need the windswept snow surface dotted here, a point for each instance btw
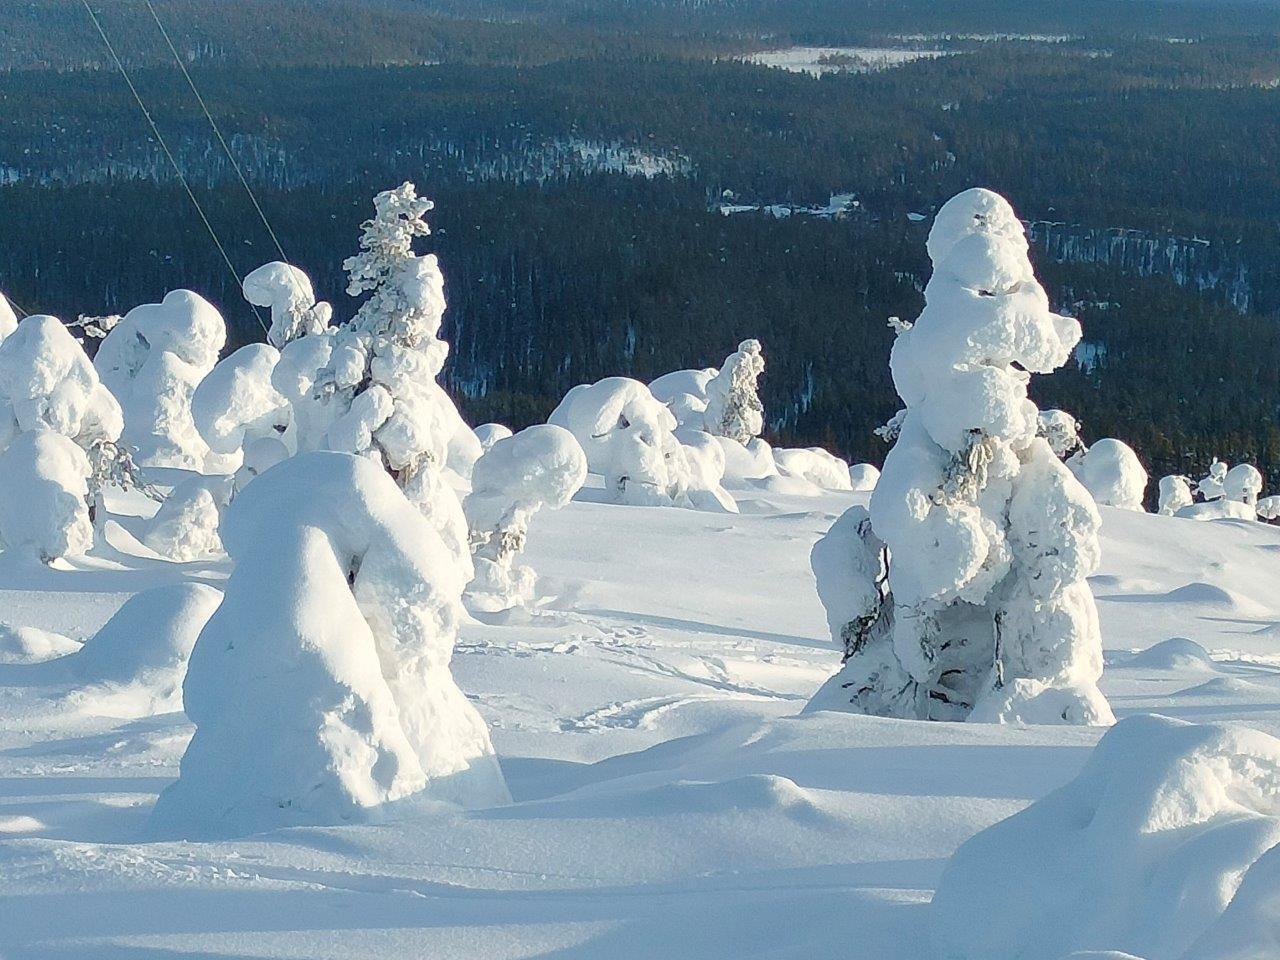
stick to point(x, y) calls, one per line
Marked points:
point(668, 799)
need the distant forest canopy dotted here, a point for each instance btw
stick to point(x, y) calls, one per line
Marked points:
point(579, 176)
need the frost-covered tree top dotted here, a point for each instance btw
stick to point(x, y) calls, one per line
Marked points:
point(1175, 493)
point(287, 291)
point(152, 361)
point(1062, 430)
point(734, 409)
point(490, 433)
point(1211, 486)
point(44, 513)
point(1242, 483)
point(985, 610)
point(406, 291)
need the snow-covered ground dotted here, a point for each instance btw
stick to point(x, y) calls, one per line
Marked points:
point(669, 802)
point(817, 61)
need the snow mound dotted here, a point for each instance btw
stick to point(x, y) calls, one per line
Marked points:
point(863, 477)
point(320, 688)
point(816, 465)
point(1176, 653)
point(32, 645)
point(44, 514)
point(147, 643)
point(1221, 687)
point(1219, 509)
point(490, 433)
point(1141, 852)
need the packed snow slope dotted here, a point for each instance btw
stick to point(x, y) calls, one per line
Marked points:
point(668, 801)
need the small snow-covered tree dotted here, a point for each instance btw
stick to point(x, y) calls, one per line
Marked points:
point(320, 688)
point(966, 581)
point(240, 414)
point(1211, 486)
point(1243, 484)
point(152, 361)
point(734, 409)
point(287, 291)
point(685, 394)
point(1112, 473)
point(490, 433)
point(1175, 493)
point(541, 466)
point(48, 386)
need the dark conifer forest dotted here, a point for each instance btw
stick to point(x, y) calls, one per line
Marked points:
point(620, 191)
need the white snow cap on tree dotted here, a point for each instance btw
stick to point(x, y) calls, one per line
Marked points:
point(1175, 493)
point(490, 433)
point(241, 415)
point(185, 527)
point(1062, 430)
point(1212, 486)
point(1112, 472)
point(863, 477)
point(152, 360)
point(1242, 484)
point(541, 466)
point(1141, 852)
point(320, 689)
point(984, 611)
point(685, 394)
point(288, 292)
point(734, 409)
point(44, 510)
point(1269, 508)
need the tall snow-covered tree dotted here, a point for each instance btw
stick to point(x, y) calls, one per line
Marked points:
point(963, 592)
point(734, 409)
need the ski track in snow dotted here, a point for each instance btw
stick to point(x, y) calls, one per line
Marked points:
point(669, 802)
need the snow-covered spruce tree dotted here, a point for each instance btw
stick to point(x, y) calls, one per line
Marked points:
point(320, 689)
point(541, 466)
point(734, 409)
point(1211, 486)
point(1175, 493)
point(287, 291)
point(152, 361)
point(379, 376)
point(59, 428)
point(962, 593)
point(1243, 484)
point(1111, 471)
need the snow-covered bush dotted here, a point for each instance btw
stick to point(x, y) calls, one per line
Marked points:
point(863, 477)
point(1062, 430)
point(1112, 473)
point(141, 653)
point(288, 292)
point(734, 409)
point(240, 414)
point(1269, 508)
point(1175, 493)
point(1141, 852)
point(152, 361)
point(490, 433)
point(704, 460)
point(186, 525)
point(985, 538)
point(816, 465)
point(541, 466)
point(320, 689)
point(1243, 484)
point(44, 510)
point(685, 394)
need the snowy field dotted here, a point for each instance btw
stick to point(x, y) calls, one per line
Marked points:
point(817, 61)
point(668, 799)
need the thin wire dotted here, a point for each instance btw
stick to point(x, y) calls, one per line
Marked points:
point(22, 314)
point(217, 131)
point(168, 153)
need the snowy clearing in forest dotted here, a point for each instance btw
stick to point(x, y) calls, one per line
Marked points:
point(817, 61)
point(668, 799)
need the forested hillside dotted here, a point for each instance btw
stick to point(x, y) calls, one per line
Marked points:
point(581, 157)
